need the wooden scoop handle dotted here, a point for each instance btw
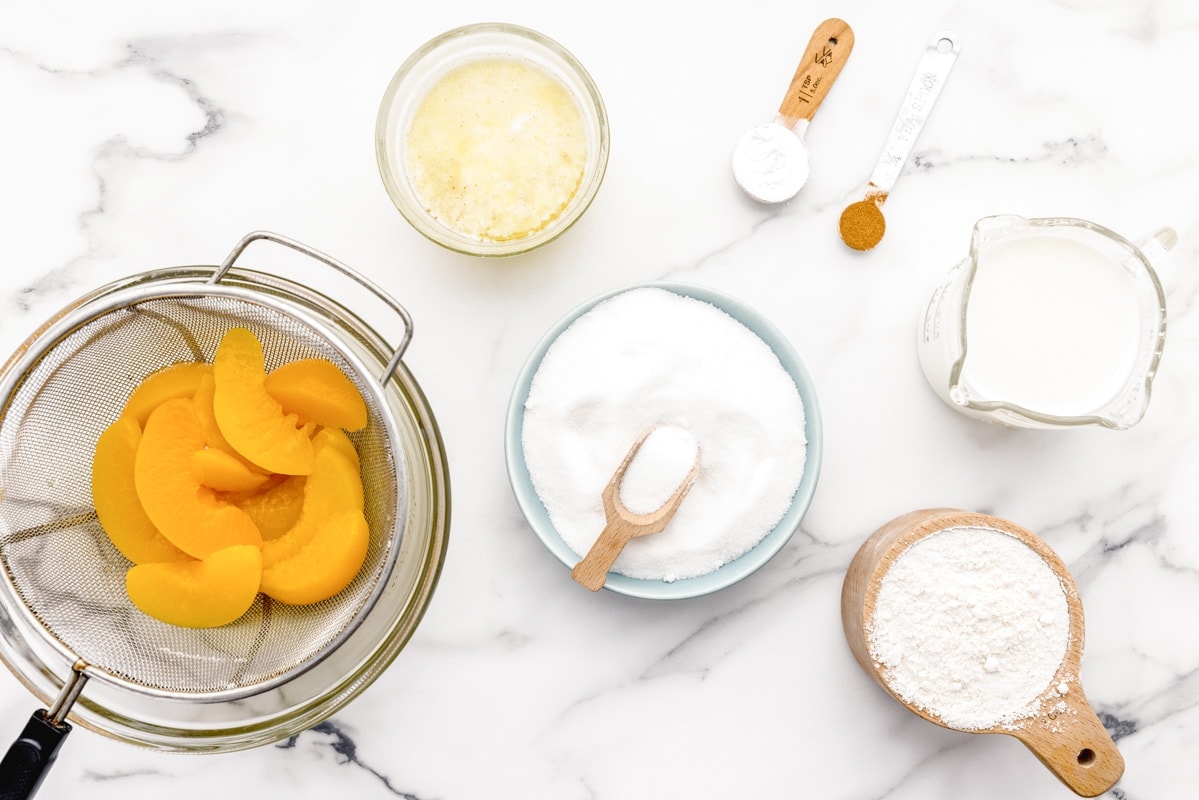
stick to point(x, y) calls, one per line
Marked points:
point(827, 53)
point(1072, 742)
point(623, 526)
point(592, 571)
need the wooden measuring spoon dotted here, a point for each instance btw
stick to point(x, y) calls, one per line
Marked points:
point(1066, 735)
point(770, 161)
point(623, 525)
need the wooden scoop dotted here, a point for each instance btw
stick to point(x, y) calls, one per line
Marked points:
point(623, 525)
point(1066, 736)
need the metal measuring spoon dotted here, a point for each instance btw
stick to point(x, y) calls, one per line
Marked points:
point(623, 525)
point(770, 161)
point(862, 223)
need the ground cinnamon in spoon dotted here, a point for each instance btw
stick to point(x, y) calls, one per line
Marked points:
point(862, 223)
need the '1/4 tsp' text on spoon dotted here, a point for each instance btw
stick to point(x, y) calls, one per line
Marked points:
point(663, 471)
point(862, 223)
point(770, 161)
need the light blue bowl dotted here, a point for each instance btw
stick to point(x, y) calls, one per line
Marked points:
point(531, 506)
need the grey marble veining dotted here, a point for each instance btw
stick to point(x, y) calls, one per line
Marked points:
point(147, 135)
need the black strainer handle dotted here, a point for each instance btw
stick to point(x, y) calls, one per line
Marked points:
point(394, 363)
point(30, 757)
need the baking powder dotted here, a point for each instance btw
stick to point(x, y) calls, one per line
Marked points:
point(970, 625)
point(770, 162)
point(650, 357)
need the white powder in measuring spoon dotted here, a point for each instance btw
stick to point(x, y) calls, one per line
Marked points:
point(658, 469)
point(770, 162)
point(970, 625)
point(650, 357)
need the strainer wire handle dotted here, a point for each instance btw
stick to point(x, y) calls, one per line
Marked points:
point(398, 354)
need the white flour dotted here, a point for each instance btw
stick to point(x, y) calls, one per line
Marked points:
point(970, 625)
point(651, 357)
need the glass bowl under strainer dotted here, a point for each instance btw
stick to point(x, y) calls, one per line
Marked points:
point(69, 629)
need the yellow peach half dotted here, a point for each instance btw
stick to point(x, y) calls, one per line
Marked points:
point(315, 390)
point(324, 565)
point(177, 380)
point(198, 594)
point(187, 513)
point(224, 472)
point(115, 497)
point(250, 419)
point(335, 486)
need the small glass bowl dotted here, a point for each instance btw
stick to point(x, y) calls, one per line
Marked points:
point(426, 67)
point(739, 568)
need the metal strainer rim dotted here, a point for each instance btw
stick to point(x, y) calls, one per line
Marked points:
point(42, 344)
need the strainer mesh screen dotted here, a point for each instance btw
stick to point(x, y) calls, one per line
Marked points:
point(60, 562)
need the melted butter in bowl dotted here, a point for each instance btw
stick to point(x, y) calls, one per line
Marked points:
point(492, 140)
point(497, 149)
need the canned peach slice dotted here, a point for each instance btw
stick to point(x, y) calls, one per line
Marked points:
point(198, 594)
point(188, 514)
point(315, 390)
point(115, 497)
point(252, 421)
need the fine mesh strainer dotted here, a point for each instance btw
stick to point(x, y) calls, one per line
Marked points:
point(63, 582)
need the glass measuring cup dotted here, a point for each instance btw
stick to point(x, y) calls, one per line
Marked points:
point(1048, 323)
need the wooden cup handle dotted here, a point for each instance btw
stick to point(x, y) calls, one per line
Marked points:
point(592, 571)
point(827, 53)
point(1072, 742)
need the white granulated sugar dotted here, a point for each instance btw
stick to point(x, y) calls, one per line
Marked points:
point(970, 625)
point(650, 357)
point(658, 469)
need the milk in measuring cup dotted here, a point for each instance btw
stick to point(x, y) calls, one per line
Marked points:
point(1052, 325)
point(1048, 323)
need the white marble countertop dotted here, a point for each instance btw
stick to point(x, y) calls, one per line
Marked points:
point(142, 135)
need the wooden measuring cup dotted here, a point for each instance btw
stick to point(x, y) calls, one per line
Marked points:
point(1066, 735)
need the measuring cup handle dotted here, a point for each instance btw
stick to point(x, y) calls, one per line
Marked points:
point(1075, 747)
point(1158, 244)
point(30, 756)
point(397, 354)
